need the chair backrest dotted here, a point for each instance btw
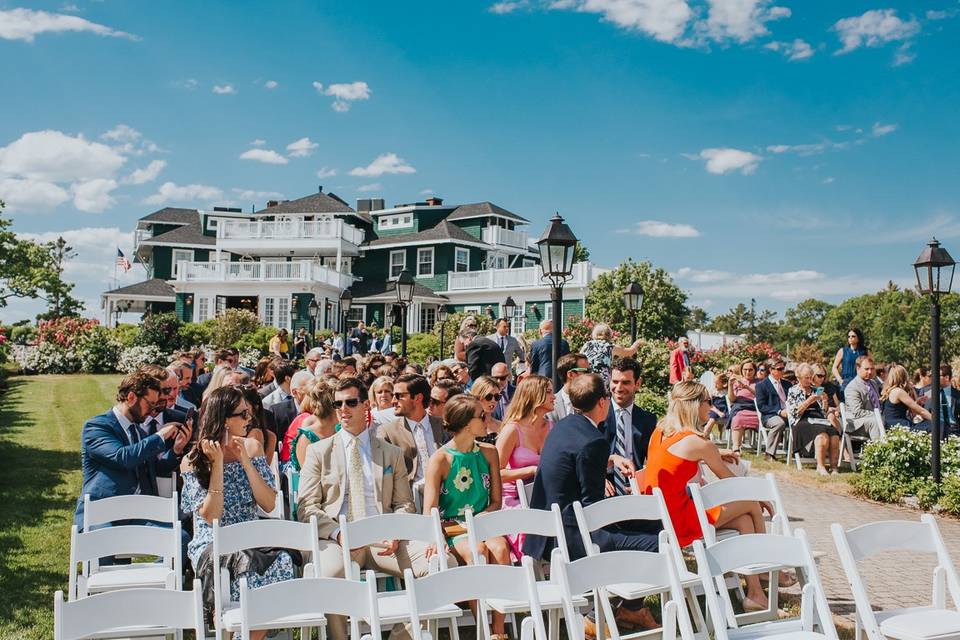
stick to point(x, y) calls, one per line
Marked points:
point(513, 521)
point(133, 507)
point(277, 512)
point(760, 549)
point(390, 526)
point(524, 493)
point(617, 509)
point(474, 582)
point(729, 490)
point(130, 609)
point(283, 601)
point(166, 485)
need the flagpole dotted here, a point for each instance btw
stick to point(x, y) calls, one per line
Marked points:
point(116, 260)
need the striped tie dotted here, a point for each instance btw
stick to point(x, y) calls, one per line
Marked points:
point(620, 481)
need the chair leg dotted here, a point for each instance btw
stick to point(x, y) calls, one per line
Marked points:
point(696, 615)
point(553, 619)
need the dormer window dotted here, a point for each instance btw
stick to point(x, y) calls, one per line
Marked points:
point(396, 222)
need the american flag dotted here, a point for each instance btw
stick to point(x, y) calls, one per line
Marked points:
point(122, 261)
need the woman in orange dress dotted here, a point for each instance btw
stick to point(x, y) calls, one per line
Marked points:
point(676, 450)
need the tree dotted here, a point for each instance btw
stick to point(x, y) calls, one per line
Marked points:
point(59, 301)
point(802, 323)
point(664, 309)
point(740, 320)
point(26, 270)
point(697, 319)
point(580, 252)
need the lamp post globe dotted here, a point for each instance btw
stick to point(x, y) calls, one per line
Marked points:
point(346, 302)
point(509, 308)
point(441, 320)
point(556, 248)
point(313, 309)
point(404, 287)
point(633, 300)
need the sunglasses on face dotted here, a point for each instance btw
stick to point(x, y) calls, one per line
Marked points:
point(761, 370)
point(778, 368)
point(437, 403)
point(398, 395)
point(500, 378)
point(491, 396)
point(818, 375)
point(350, 402)
point(245, 414)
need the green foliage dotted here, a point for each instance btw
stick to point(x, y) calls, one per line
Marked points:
point(420, 346)
point(59, 301)
point(451, 327)
point(576, 331)
point(258, 339)
point(231, 325)
point(194, 334)
point(697, 319)
point(161, 330)
point(23, 334)
point(654, 359)
point(804, 351)
point(802, 324)
point(733, 353)
point(950, 500)
point(651, 400)
point(4, 345)
point(126, 334)
point(664, 309)
point(757, 326)
point(99, 350)
point(580, 252)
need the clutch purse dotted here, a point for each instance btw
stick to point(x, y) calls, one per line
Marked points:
point(454, 529)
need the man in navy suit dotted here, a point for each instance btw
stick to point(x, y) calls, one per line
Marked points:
point(627, 427)
point(482, 353)
point(541, 351)
point(949, 403)
point(771, 393)
point(117, 458)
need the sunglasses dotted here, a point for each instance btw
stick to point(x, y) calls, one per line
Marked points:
point(492, 396)
point(350, 402)
point(437, 403)
point(245, 414)
point(778, 368)
point(397, 395)
point(761, 370)
point(818, 375)
point(500, 378)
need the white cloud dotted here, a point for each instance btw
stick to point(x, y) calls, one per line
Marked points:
point(268, 156)
point(874, 29)
point(271, 84)
point(224, 89)
point(933, 14)
point(803, 149)
point(171, 192)
point(258, 143)
point(384, 163)
point(31, 195)
point(325, 172)
point(345, 93)
point(58, 157)
point(427, 192)
point(508, 6)
point(702, 275)
point(828, 180)
point(301, 148)
point(879, 129)
point(147, 174)
point(664, 20)
point(725, 160)
point(796, 50)
point(93, 196)
point(659, 229)
point(187, 83)
point(122, 133)
point(741, 20)
point(250, 194)
point(26, 24)
point(367, 188)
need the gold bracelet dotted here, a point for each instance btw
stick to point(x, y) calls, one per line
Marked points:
point(220, 491)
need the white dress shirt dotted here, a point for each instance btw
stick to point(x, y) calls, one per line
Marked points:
point(125, 427)
point(426, 429)
point(276, 396)
point(627, 427)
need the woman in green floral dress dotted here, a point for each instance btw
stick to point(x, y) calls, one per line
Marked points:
point(465, 474)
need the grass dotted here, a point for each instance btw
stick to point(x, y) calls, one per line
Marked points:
point(40, 422)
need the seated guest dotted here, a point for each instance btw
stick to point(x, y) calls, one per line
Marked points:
point(287, 410)
point(861, 398)
point(921, 383)
point(225, 478)
point(381, 400)
point(440, 394)
point(568, 368)
point(283, 372)
point(718, 414)
point(899, 402)
point(741, 392)
point(812, 425)
point(217, 379)
point(416, 433)
point(184, 373)
point(501, 373)
point(263, 376)
point(762, 372)
point(461, 374)
point(195, 359)
point(116, 457)
point(263, 425)
point(521, 438)
point(772, 402)
point(488, 391)
point(949, 402)
point(464, 474)
point(832, 389)
point(440, 372)
point(343, 475)
point(320, 421)
point(627, 427)
point(223, 357)
point(676, 451)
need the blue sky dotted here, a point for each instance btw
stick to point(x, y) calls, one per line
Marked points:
point(752, 148)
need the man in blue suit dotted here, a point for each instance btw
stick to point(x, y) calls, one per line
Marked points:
point(541, 351)
point(627, 427)
point(117, 458)
point(771, 393)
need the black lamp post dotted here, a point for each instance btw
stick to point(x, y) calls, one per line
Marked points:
point(632, 300)
point(294, 316)
point(556, 259)
point(934, 268)
point(314, 310)
point(442, 319)
point(404, 286)
point(509, 310)
point(346, 301)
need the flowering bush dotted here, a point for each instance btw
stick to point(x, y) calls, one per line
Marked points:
point(160, 330)
point(63, 331)
point(250, 357)
point(4, 345)
point(231, 325)
point(734, 353)
point(577, 331)
point(48, 357)
point(132, 358)
point(98, 351)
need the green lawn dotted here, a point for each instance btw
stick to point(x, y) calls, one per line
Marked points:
point(40, 422)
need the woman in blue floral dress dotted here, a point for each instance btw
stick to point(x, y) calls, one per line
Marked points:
point(226, 477)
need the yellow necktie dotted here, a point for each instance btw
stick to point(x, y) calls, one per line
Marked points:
point(357, 507)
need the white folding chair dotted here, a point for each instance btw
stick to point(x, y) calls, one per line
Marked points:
point(911, 623)
point(476, 582)
point(524, 493)
point(277, 512)
point(166, 485)
point(253, 534)
point(736, 555)
point(129, 613)
point(305, 602)
point(650, 508)
point(604, 573)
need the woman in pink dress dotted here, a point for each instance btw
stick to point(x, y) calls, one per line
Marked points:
point(525, 428)
point(741, 392)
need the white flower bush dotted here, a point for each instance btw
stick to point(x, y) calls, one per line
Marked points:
point(133, 358)
point(249, 358)
point(47, 358)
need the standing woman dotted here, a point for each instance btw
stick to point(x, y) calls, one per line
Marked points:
point(845, 364)
point(741, 393)
point(465, 474)
point(279, 345)
point(673, 459)
point(459, 347)
point(300, 346)
point(226, 478)
point(488, 392)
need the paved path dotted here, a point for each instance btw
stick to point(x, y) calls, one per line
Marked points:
point(892, 579)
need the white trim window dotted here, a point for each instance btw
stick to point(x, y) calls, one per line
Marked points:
point(389, 222)
point(529, 262)
point(283, 312)
point(357, 313)
point(498, 261)
point(428, 318)
point(472, 309)
point(425, 262)
point(461, 259)
point(396, 266)
point(203, 309)
point(180, 255)
point(269, 312)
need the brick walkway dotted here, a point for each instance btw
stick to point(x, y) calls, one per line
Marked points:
point(892, 579)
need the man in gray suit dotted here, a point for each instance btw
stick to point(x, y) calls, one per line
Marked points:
point(569, 367)
point(861, 397)
point(507, 343)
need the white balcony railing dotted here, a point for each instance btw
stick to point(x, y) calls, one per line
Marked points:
point(527, 277)
point(292, 229)
point(139, 236)
point(505, 237)
point(296, 271)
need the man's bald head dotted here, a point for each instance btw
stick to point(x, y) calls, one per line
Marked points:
point(546, 326)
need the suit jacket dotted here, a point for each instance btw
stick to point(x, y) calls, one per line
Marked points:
point(398, 433)
point(511, 347)
point(482, 354)
point(276, 396)
point(953, 412)
point(643, 423)
point(541, 355)
point(110, 463)
point(360, 341)
point(283, 413)
point(856, 397)
point(267, 389)
point(573, 466)
point(677, 365)
point(507, 395)
point(168, 462)
point(323, 482)
point(561, 406)
point(768, 400)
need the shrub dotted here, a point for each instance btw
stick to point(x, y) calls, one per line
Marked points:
point(4, 345)
point(420, 346)
point(231, 325)
point(257, 340)
point(63, 331)
point(950, 500)
point(451, 327)
point(652, 400)
point(194, 334)
point(98, 351)
point(48, 357)
point(23, 334)
point(161, 330)
point(133, 358)
point(126, 334)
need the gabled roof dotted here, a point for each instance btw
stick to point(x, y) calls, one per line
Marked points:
point(443, 231)
point(172, 215)
point(157, 287)
point(381, 291)
point(482, 210)
point(187, 235)
point(315, 203)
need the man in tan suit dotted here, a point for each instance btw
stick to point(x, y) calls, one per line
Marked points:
point(355, 474)
point(417, 434)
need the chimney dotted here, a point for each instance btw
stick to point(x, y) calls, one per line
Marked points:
point(377, 204)
point(434, 201)
point(272, 203)
point(320, 188)
point(363, 205)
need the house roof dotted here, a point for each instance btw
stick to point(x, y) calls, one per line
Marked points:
point(172, 215)
point(382, 291)
point(315, 203)
point(157, 287)
point(443, 231)
point(482, 210)
point(188, 234)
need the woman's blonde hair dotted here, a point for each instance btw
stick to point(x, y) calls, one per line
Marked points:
point(318, 399)
point(531, 393)
point(602, 331)
point(683, 412)
point(375, 387)
point(897, 376)
point(484, 385)
point(217, 379)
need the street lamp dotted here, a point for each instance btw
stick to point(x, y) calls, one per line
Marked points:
point(441, 318)
point(556, 259)
point(633, 299)
point(346, 301)
point(404, 285)
point(314, 310)
point(934, 268)
point(294, 316)
point(509, 308)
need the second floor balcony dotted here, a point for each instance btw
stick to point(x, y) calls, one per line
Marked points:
point(507, 238)
point(295, 271)
point(524, 278)
point(296, 236)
